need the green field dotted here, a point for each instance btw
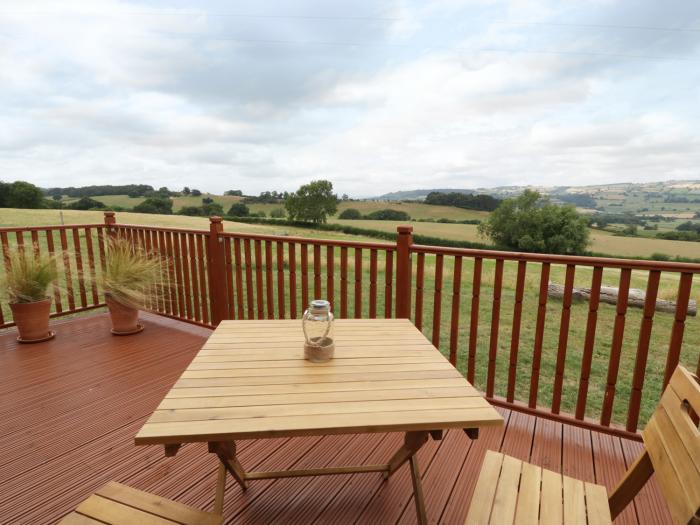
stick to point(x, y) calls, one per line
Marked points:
point(416, 210)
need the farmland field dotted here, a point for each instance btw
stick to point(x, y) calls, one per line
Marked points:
point(416, 210)
point(601, 241)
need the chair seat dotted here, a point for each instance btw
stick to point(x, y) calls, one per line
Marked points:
point(512, 491)
point(117, 504)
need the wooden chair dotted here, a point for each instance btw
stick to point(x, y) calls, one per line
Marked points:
point(117, 504)
point(509, 490)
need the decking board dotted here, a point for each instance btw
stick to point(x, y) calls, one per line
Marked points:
point(69, 410)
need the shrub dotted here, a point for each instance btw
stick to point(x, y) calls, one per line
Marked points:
point(277, 213)
point(192, 211)
point(86, 203)
point(159, 205)
point(351, 214)
point(239, 209)
point(389, 215)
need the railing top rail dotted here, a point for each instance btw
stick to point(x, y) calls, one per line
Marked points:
point(12, 229)
point(160, 228)
point(311, 241)
point(579, 260)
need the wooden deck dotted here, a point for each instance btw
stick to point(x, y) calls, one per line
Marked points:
point(69, 410)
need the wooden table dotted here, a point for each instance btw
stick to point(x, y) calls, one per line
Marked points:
point(250, 380)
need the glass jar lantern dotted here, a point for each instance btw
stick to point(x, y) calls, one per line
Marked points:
point(317, 324)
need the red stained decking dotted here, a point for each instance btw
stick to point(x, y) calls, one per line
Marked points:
point(69, 410)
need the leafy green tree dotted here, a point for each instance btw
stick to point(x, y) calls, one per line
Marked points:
point(530, 223)
point(158, 205)
point(351, 214)
point(207, 200)
point(195, 193)
point(277, 213)
point(235, 193)
point(312, 202)
point(185, 191)
point(21, 194)
point(238, 209)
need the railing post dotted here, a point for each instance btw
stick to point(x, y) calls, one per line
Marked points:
point(110, 223)
point(217, 271)
point(404, 240)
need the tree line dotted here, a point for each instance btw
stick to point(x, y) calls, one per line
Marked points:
point(467, 201)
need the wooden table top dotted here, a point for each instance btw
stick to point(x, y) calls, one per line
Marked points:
point(251, 380)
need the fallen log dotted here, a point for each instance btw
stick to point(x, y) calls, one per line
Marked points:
point(609, 295)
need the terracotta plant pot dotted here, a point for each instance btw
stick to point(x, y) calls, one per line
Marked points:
point(125, 319)
point(32, 320)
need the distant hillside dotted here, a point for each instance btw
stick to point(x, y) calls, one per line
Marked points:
point(417, 195)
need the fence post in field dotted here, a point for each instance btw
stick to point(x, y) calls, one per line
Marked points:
point(217, 270)
point(404, 240)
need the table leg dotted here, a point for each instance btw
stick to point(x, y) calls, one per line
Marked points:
point(412, 442)
point(220, 490)
point(226, 452)
point(418, 491)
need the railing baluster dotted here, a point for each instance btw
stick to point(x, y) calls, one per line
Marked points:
point(589, 342)
point(330, 276)
point(238, 260)
point(185, 276)
point(304, 276)
point(52, 254)
point(101, 248)
point(177, 257)
point(388, 284)
point(35, 243)
point(437, 300)
point(563, 337)
point(79, 266)
point(373, 284)
point(640, 364)
point(358, 283)
point(248, 278)
point(420, 278)
point(193, 273)
point(67, 269)
point(230, 292)
point(166, 265)
point(515, 332)
point(270, 293)
point(343, 282)
point(279, 249)
point(203, 290)
point(456, 298)
point(259, 280)
point(539, 335)
point(20, 241)
point(91, 266)
point(474, 319)
point(317, 272)
point(292, 280)
point(674, 347)
point(616, 345)
point(495, 322)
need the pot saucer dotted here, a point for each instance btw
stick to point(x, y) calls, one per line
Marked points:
point(139, 328)
point(50, 335)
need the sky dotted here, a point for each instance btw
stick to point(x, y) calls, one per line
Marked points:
point(374, 95)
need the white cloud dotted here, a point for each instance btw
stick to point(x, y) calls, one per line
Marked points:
point(446, 93)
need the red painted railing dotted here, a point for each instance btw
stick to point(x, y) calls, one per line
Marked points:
point(583, 363)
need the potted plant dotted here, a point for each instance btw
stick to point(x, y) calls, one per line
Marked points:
point(27, 280)
point(130, 277)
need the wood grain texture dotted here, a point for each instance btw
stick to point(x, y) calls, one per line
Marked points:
point(227, 362)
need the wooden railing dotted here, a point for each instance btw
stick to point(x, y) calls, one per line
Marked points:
point(590, 364)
